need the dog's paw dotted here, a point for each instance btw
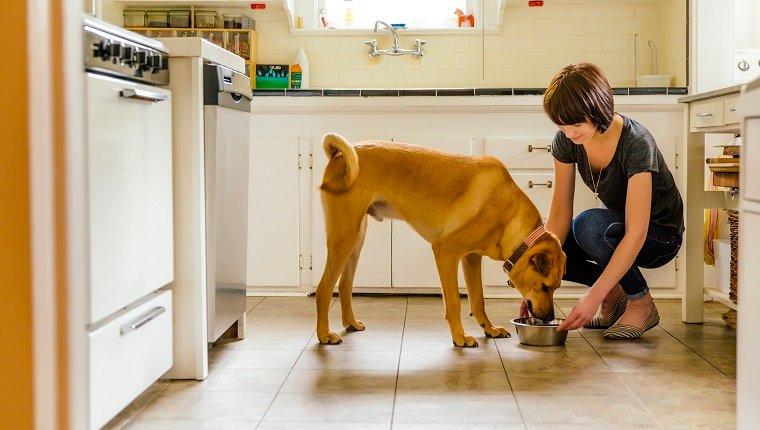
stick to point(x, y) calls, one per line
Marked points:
point(354, 326)
point(466, 342)
point(497, 331)
point(330, 339)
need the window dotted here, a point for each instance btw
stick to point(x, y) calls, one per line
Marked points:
point(413, 14)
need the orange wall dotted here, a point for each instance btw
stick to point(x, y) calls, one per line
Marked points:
point(16, 386)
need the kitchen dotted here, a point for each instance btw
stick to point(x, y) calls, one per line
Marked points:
point(454, 117)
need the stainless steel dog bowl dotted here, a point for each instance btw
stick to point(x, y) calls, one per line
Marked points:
point(536, 332)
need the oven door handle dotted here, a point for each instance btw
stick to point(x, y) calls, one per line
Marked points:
point(138, 94)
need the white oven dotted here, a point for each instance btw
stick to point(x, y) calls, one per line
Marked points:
point(129, 182)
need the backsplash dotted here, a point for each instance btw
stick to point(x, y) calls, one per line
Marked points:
point(533, 43)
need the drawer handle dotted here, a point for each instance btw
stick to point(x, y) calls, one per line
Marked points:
point(547, 184)
point(703, 114)
point(547, 148)
point(145, 319)
point(733, 109)
point(129, 93)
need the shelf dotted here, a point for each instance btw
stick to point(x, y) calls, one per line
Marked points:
point(720, 296)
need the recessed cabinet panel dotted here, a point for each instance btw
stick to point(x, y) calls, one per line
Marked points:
point(412, 257)
point(521, 153)
point(374, 266)
point(750, 178)
point(273, 213)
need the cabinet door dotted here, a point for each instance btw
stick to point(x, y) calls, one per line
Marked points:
point(273, 213)
point(413, 264)
point(374, 267)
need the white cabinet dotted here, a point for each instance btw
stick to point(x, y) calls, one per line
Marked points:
point(412, 260)
point(748, 293)
point(374, 267)
point(274, 213)
point(531, 165)
point(286, 212)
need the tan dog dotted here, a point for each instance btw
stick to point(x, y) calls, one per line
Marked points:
point(464, 206)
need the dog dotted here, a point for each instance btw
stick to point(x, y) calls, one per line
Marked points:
point(466, 207)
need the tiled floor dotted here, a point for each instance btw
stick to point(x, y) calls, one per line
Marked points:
point(404, 373)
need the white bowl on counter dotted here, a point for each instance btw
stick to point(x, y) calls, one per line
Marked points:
point(653, 80)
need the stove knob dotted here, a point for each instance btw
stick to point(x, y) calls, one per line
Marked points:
point(127, 55)
point(154, 61)
point(104, 51)
point(115, 50)
point(743, 65)
point(141, 58)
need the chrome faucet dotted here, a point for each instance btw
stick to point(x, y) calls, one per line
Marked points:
point(390, 28)
point(395, 48)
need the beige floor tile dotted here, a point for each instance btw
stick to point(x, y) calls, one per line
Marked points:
point(692, 412)
point(332, 408)
point(567, 383)
point(404, 373)
point(367, 341)
point(486, 382)
point(254, 359)
point(330, 358)
point(191, 425)
point(261, 340)
point(453, 360)
point(685, 383)
point(591, 426)
point(465, 425)
point(340, 382)
point(543, 408)
point(456, 407)
point(207, 405)
point(266, 381)
point(310, 425)
point(574, 357)
point(147, 396)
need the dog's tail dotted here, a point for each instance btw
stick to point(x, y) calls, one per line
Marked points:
point(336, 146)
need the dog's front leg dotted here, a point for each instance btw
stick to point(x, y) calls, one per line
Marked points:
point(447, 271)
point(471, 265)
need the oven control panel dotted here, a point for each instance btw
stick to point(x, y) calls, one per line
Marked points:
point(124, 54)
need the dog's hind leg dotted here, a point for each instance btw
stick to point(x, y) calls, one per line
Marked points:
point(471, 266)
point(342, 230)
point(346, 283)
point(447, 262)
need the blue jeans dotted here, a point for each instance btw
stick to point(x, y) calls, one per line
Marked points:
point(593, 237)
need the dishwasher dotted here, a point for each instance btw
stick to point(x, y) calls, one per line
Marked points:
point(226, 116)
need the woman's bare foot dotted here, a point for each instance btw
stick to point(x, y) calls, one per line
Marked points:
point(637, 311)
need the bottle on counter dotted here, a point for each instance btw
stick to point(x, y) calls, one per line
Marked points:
point(348, 13)
point(299, 71)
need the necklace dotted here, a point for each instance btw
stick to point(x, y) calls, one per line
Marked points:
point(598, 180)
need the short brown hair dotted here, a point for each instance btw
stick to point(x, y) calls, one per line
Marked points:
point(577, 93)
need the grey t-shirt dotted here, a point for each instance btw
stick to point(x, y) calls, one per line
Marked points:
point(636, 152)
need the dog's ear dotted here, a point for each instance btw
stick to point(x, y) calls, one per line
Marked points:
point(541, 262)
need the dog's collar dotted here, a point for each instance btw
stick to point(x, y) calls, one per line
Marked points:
point(511, 261)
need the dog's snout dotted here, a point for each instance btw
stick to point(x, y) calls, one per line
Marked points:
point(530, 306)
point(549, 316)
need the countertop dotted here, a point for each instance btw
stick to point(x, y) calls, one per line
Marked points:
point(199, 47)
point(437, 92)
point(711, 94)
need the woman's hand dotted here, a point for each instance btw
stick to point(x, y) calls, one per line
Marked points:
point(582, 312)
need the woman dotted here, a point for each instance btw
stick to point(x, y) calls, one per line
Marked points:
point(641, 224)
